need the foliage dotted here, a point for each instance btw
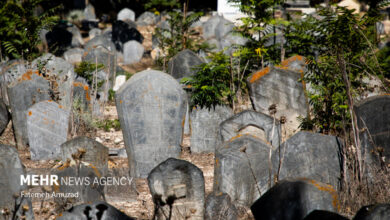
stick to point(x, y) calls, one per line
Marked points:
point(384, 60)
point(179, 36)
point(108, 124)
point(218, 82)
point(20, 28)
point(161, 5)
point(87, 70)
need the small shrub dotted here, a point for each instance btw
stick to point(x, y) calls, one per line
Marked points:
point(87, 71)
point(108, 124)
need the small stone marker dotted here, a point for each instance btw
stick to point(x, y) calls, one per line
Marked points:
point(132, 52)
point(183, 64)
point(126, 15)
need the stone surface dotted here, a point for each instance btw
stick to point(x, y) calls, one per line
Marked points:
point(47, 129)
point(29, 89)
point(119, 81)
point(373, 116)
point(220, 206)
point(77, 40)
point(4, 116)
point(178, 190)
point(280, 85)
point(92, 151)
point(74, 55)
point(61, 77)
point(373, 212)
point(126, 15)
point(183, 64)
point(241, 169)
point(94, 32)
point(81, 94)
point(151, 108)
point(232, 126)
point(311, 155)
point(100, 40)
point(97, 210)
point(210, 26)
point(89, 12)
point(11, 168)
point(204, 125)
point(223, 28)
point(10, 72)
point(324, 215)
point(297, 198)
point(122, 33)
point(132, 52)
point(147, 18)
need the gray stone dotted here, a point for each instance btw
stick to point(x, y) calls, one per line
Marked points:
point(81, 94)
point(373, 116)
point(101, 40)
point(232, 126)
point(210, 26)
point(97, 210)
point(29, 89)
point(310, 155)
point(151, 108)
point(220, 206)
point(11, 71)
point(178, 190)
point(94, 32)
point(61, 76)
point(223, 28)
point(4, 116)
point(183, 64)
point(11, 169)
point(77, 40)
point(119, 81)
point(280, 85)
point(74, 55)
point(147, 18)
point(297, 198)
point(132, 52)
point(205, 136)
point(47, 129)
point(126, 14)
point(373, 212)
point(241, 169)
point(92, 152)
point(89, 12)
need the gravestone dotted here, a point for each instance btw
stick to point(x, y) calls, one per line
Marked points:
point(210, 26)
point(280, 85)
point(11, 169)
point(4, 116)
point(220, 206)
point(47, 129)
point(92, 152)
point(94, 32)
point(151, 109)
point(74, 56)
point(241, 169)
point(10, 72)
point(126, 15)
point(60, 75)
point(204, 123)
point(132, 52)
point(122, 33)
point(373, 116)
point(82, 95)
point(97, 210)
point(223, 28)
point(89, 12)
point(297, 198)
point(184, 64)
point(29, 89)
point(231, 127)
point(101, 40)
point(373, 212)
point(310, 155)
point(178, 190)
point(77, 40)
point(147, 18)
point(119, 81)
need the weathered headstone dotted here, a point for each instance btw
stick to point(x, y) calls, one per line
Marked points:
point(122, 33)
point(183, 64)
point(242, 169)
point(61, 76)
point(10, 72)
point(82, 95)
point(11, 169)
point(126, 15)
point(178, 190)
point(97, 210)
point(373, 212)
point(4, 116)
point(77, 40)
point(310, 155)
point(280, 85)
point(74, 55)
point(232, 126)
point(205, 136)
point(29, 89)
point(101, 40)
point(47, 129)
point(151, 108)
point(373, 116)
point(94, 32)
point(294, 199)
point(91, 152)
point(132, 52)
point(89, 12)
point(220, 206)
point(210, 26)
point(147, 18)
point(223, 28)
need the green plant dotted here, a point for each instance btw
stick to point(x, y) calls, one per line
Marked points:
point(108, 124)
point(125, 73)
point(111, 95)
point(87, 70)
point(162, 5)
point(19, 28)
